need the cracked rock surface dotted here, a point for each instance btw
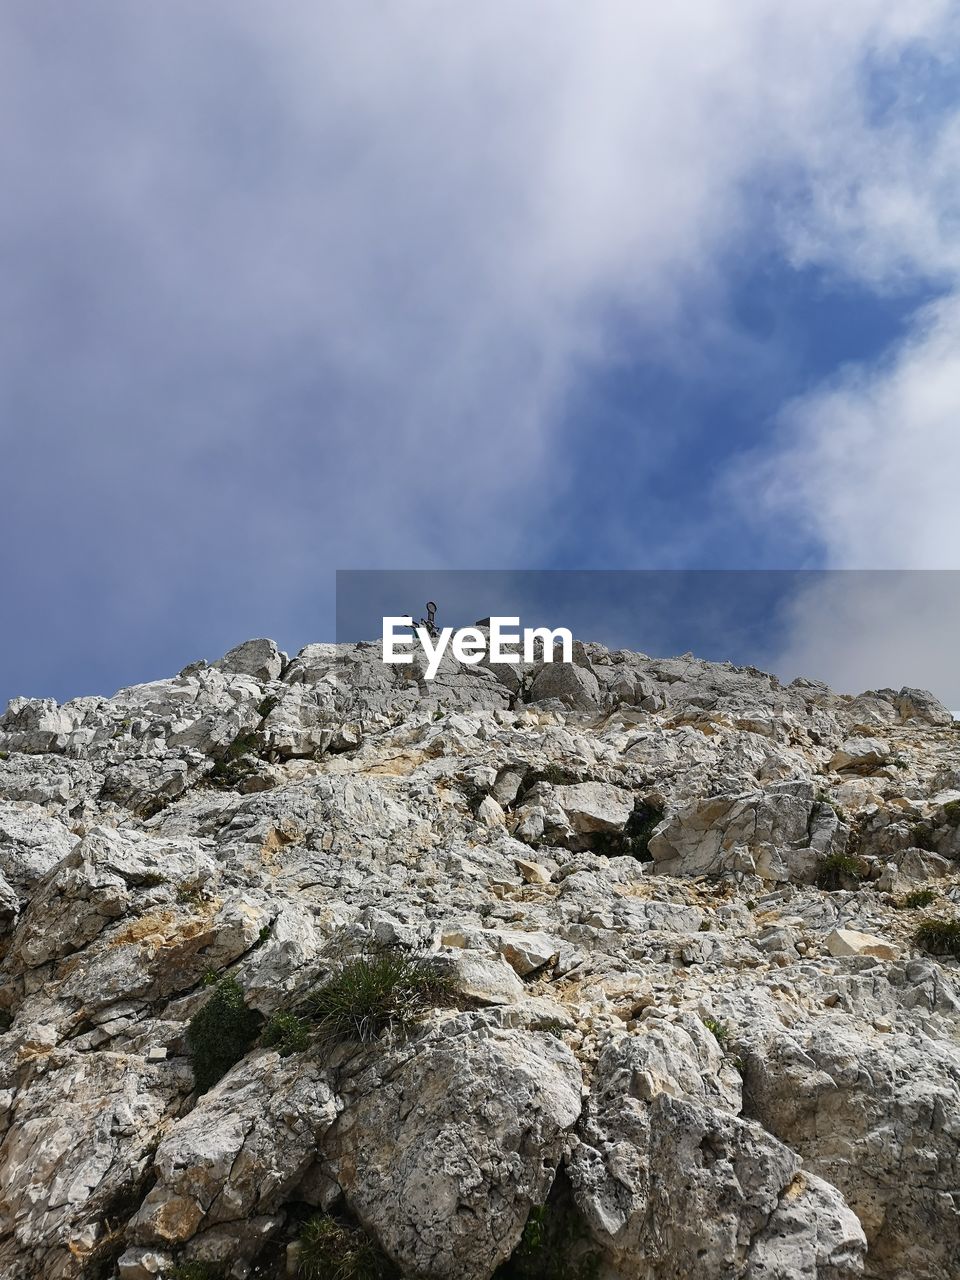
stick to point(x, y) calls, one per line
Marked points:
point(674, 905)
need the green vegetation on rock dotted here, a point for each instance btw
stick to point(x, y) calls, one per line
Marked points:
point(330, 1250)
point(386, 990)
point(220, 1033)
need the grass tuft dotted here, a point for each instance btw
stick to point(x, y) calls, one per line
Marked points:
point(938, 936)
point(232, 766)
point(835, 868)
point(286, 1033)
point(639, 828)
point(329, 1250)
point(197, 1271)
point(385, 990)
point(720, 1031)
point(918, 898)
point(923, 837)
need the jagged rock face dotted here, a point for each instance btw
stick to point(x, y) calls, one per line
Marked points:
point(661, 1131)
point(734, 1064)
point(780, 832)
point(879, 1117)
point(244, 1148)
point(444, 1153)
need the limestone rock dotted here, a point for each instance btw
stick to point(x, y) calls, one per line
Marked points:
point(779, 833)
point(877, 1117)
point(851, 942)
point(446, 1184)
point(526, 952)
point(575, 686)
point(533, 872)
point(746, 1208)
point(242, 1149)
point(486, 980)
point(490, 813)
point(920, 705)
point(31, 844)
point(258, 658)
point(616, 863)
point(860, 753)
point(79, 1137)
point(594, 806)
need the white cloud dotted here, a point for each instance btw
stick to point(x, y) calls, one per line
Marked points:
point(434, 204)
point(875, 630)
point(864, 469)
point(868, 465)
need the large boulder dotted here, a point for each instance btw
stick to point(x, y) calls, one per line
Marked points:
point(879, 1116)
point(673, 1184)
point(80, 1140)
point(860, 754)
point(240, 1152)
point(31, 844)
point(446, 1146)
point(779, 833)
point(258, 658)
point(575, 686)
point(99, 881)
point(594, 806)
point(920, 705)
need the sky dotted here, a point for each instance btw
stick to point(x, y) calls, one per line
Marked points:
point(291, 289)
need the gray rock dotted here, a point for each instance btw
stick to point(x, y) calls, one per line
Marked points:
point(240, 1152)
point(594, 806)
point(31, 844)
point(77, 1139)
point(860, 753)
point(346, 819)
point(920, 705)
point(576, 687)
point(258, 658)
point(660, 1119)
point(778, 833)
point(876, 1116)
point(446, 1185)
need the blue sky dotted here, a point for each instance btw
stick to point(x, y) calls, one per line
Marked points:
point(425, 285)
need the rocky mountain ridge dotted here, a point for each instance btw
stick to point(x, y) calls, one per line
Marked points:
point(690, 1014)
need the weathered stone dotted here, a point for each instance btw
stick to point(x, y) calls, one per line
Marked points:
point(533, 872)
point(78, 1138)
point(490, 813)
point(749, 1087)
point(258, 658)
point(446, 1184)
point(489, 981)
point(778, 833)
point(876, 1116)
point(851, 942)
point(673, 1183)
point(526, 952)
point(594, 806)
point(860, 753)
point(575, 686)
point(240, 1151)
point(920, 705)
